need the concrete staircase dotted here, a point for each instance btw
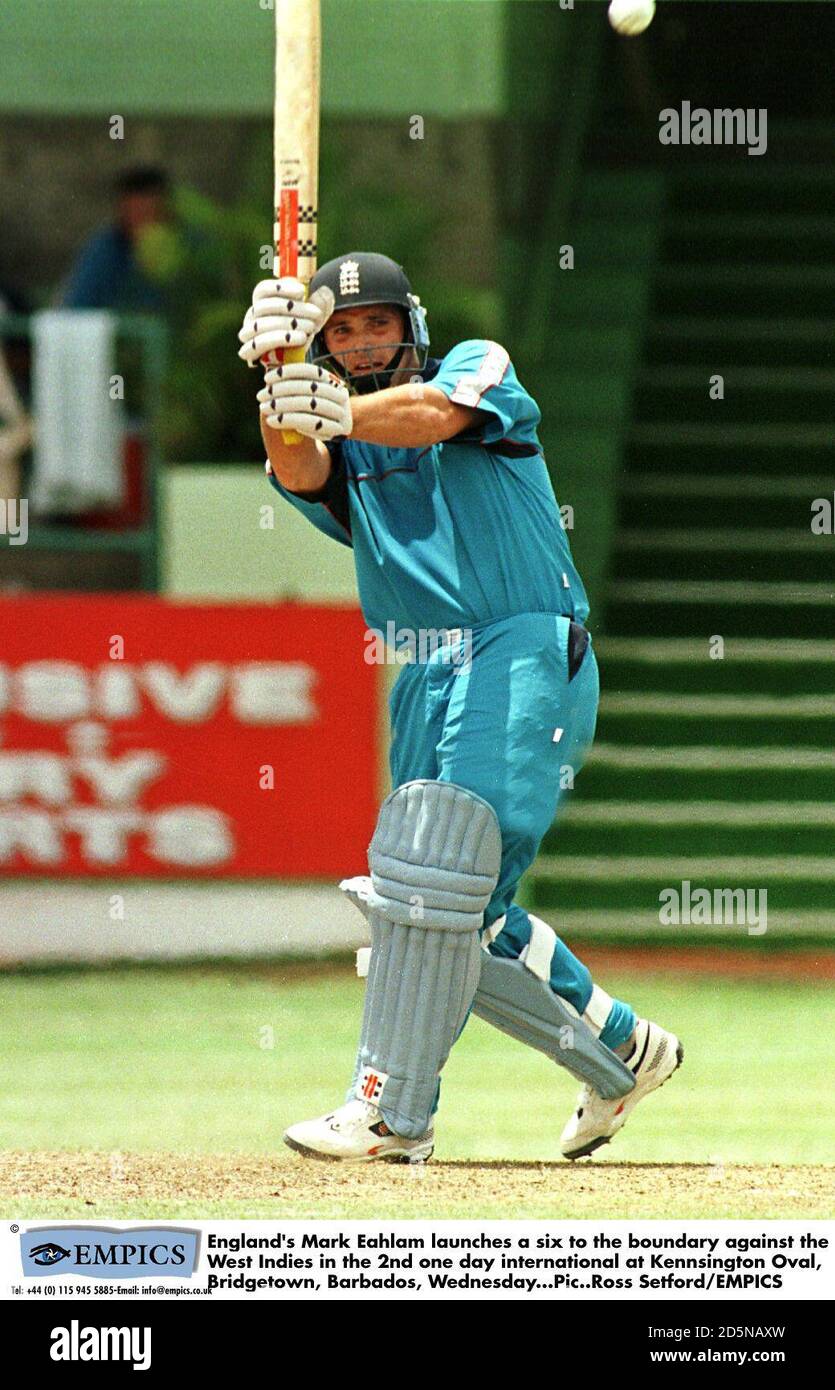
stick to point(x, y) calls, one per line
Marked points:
point(715, 762)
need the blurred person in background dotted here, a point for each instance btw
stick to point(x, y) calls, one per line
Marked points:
point(112, 268)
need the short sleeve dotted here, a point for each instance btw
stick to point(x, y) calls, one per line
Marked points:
point(479, 373)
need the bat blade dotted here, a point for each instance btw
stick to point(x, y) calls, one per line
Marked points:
point(298, 56)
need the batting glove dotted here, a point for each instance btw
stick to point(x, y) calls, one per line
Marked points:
point(280, 317)
point(307, 399)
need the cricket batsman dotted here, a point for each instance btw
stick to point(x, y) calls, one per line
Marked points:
point(432, 471)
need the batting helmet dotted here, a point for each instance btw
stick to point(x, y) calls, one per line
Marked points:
point(361, 278)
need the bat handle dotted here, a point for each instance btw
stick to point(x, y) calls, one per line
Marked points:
point(277, 358)
point(292, 355)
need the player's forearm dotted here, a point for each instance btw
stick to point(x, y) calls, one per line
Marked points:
point(407, 417)
point(303, 467)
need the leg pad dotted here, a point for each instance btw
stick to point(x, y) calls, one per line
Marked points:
point(434, 861)
point(519, 1003)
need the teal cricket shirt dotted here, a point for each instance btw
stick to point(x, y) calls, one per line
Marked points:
point(458, 533)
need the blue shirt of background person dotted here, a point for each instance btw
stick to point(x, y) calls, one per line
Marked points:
point(107, 273)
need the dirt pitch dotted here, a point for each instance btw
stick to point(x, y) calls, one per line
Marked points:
point(125, 1186)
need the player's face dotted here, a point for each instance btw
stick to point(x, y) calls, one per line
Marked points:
point(366, 338)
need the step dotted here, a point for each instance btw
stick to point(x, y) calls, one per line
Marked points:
point(731, 609)
point(777, 342)
point(641, 840)
point(707, 758)
point(683, 619)
point(740, 566)
point(746, 238)
point(670, 778)
point(720, 868)
point(673, 447)
point(720, 273)
point(691, 813)
point(750, 393)
point(791, 485)
point(817, 333)
point(724, 542)
point(689, 651)
point(745, 500)
point(722, 554)
point(628, 144)
point(745, 707)
point(752, 186)
point(797, 291)
point(633, 925)
point(670, 728)
point(710, 675)
point(719, 592)
point(622, 881)
point(692, 827)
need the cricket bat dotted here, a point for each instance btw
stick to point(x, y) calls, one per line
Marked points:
point(298, 62)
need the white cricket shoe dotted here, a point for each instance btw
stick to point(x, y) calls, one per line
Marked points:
point(656, 1056)
point(357, 1132)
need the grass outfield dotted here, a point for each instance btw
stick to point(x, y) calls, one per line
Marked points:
point(210, 1063)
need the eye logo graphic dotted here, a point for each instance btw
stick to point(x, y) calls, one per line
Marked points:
point(49, 1254)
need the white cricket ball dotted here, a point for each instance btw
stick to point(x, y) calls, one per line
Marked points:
point(631, 16)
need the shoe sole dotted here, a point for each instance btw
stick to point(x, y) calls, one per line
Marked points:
point(607, 1138)
point(368, 1158)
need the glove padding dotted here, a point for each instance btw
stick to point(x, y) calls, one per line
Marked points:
point(280, 317)
point(307, 399)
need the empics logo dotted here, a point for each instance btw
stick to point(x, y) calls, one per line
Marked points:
point(76, 1343)
point(138, 1252)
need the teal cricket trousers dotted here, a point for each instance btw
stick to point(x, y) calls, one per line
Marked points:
point(496, 710)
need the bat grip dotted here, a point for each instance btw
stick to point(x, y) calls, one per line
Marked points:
point(277, 358)
point(292, 355)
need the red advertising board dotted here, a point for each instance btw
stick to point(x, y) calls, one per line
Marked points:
point(144, 737)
